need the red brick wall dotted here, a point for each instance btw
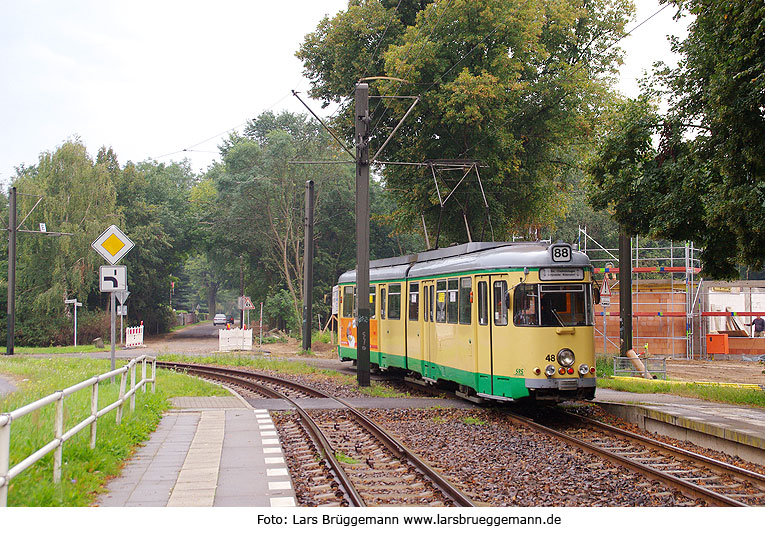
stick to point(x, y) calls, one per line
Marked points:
point(746, 346)
point(664, 335)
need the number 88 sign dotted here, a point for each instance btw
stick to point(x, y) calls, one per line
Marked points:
point(561, 253)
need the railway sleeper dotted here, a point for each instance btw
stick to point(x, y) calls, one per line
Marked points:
point(327, 497)
point(404, 498)
point(320, 488)
point(407, 478)
point(395, 489)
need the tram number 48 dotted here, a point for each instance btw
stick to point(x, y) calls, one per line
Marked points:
point(550, 358)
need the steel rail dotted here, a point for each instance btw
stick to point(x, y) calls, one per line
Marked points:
point(713, 464)
point(390, 442)
point(684, 486)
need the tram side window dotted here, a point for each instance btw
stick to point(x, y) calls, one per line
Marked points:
point(348, 296)
point(452, 301)
point(441, 301)
point(414, 303)
point(525, 305)
point(394, 301)
point(500, 302)
point(372, 302)
point(483, 303)
point(382, 303)
point(466, 290)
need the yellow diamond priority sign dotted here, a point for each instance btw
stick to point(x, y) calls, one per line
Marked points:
point(112, 245)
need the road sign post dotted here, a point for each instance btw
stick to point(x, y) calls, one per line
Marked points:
point(76, 304)
point(112, 245)
point(122, 310)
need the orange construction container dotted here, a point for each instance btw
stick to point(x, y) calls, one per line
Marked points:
point(717, 343)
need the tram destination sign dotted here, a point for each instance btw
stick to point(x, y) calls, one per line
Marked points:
point(561, 273)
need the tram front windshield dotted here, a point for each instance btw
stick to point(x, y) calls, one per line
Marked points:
point(552, 305)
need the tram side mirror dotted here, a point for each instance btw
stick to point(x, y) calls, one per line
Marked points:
point(596, 295)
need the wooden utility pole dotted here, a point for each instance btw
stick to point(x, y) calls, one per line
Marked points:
point(362, 233)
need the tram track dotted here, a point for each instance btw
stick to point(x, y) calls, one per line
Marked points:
point(715, 482)
point(344, 457)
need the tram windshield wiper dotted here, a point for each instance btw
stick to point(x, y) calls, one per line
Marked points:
point(555, 313)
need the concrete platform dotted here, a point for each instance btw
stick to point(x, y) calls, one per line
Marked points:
point(738, 431)
point(207, 452)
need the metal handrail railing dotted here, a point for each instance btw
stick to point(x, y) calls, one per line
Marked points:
point(7, 473)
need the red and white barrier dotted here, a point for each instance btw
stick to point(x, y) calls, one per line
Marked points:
point(235, 340)
point(134, 336)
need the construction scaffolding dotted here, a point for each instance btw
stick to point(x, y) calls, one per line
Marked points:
point(665, 296)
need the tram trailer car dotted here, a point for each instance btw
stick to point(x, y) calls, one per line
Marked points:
point(499, 321)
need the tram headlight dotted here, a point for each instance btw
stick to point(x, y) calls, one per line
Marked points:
point(566, 357)
point(584, 369)
point(550, 370)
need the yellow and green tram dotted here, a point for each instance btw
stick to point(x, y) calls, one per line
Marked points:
point(499, 321)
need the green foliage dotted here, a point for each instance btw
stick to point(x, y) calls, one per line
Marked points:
point(344, 458)
point(82, 197)
point(704, 181)
point(280, 312)
point(78, 198)
point(319, 336)
point(155, 200)
point(604, 366)
point(519, 86)
point(473, 421)
point(258, 198)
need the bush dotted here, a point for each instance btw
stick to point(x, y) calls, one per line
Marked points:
point(323, 337)
point(279, 311)
point(58, 330)
point(91, 325)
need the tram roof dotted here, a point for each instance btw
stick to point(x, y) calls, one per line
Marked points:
point(465, 258)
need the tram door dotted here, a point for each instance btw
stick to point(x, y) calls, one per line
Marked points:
point(501, 343)
point(482, 326)
point(428, 332)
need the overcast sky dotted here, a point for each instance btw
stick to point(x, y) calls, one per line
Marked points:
point(151, 78)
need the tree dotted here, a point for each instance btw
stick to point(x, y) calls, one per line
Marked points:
point(705, 180)
point(515, 85)
point(155, 201)
point(78, 198)
point(261, 196)
point(208, 266)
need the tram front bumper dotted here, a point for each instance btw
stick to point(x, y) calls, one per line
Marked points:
point(562, 389)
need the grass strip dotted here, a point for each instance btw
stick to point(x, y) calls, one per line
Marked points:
point(87, 348)
point(723, 393)
point(277, 365)
point(85, 471)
